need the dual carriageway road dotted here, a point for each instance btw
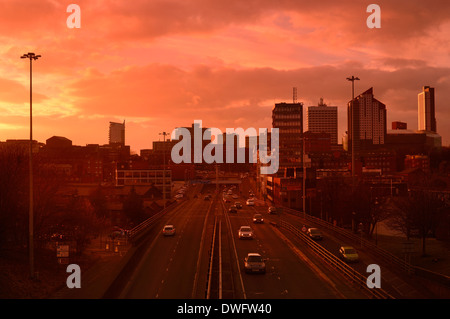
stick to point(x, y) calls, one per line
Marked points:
point(178, 267)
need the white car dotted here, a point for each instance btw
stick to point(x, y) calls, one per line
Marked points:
point(250, 202)
point(254, 263)
point(245, 232)
point(168, 230)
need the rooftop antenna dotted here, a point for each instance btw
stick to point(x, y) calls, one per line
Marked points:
point(294, 95)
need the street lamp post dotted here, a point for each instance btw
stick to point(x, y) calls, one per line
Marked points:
point(353, 79)
point(32, 57)
point(164, 168)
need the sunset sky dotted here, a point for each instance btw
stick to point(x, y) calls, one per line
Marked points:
point(159, 64)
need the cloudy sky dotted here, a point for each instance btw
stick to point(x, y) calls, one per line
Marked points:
point(159, 64)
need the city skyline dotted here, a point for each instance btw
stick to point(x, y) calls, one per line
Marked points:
point(166, 66)
point(170, 149)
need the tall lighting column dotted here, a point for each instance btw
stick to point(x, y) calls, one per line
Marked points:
point(32, 57)
point(353, 79)
point(164, 168)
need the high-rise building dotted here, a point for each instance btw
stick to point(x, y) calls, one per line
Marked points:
point(427, 118)
point(288, 118)
point(117, 133)
point(323, 119)
point(369, 122)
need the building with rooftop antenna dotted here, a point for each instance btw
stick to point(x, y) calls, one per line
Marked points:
point(323, 119)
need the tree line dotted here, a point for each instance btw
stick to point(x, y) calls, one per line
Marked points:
point(416, 211)
point(58, 216)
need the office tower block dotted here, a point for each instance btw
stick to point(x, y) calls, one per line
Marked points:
point(368, 122)
point(117, 133)
point(323, 119)
point(426, 109)
point(288, 118)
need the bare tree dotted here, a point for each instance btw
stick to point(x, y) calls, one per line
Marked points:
point(419, 213)
point(369, 208)
point(335, 197)
point(133, 207)
point(13, 203)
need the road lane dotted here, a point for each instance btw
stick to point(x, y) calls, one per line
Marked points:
point(287, 275)
point(169, 265)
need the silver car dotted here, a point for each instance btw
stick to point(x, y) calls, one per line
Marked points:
point(254, 263)
point(245, 232)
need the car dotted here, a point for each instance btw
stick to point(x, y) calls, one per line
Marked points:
point(235, 196)
point(250, 202)
point(226, 199)
point(245, 232)
point(168, 230)
point(348, 254)
point(230, 192)
point(232, 209)
point(272, 210)
point(314, 233)
point(238, 205)
point(207, 197)
point(257, 218)
point(254, 263)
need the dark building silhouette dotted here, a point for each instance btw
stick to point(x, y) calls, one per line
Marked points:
point(396, 125)
point(288, 118)
point(117, 133)
point(369, 122)
point(323, 119)
point(58, 142)
point(317, 142)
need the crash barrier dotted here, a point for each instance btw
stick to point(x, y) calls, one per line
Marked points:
point(392, 259)
point(134, 255)
point(382, 253)
point(137, 231)
point(335, 262)
point(211, 261)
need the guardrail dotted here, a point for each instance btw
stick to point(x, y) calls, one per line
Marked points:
point(384, 254)
point(135, 232)
point(211, 261)
point(387, 256)
point(336, 263)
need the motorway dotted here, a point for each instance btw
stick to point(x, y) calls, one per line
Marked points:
point(205, 257)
